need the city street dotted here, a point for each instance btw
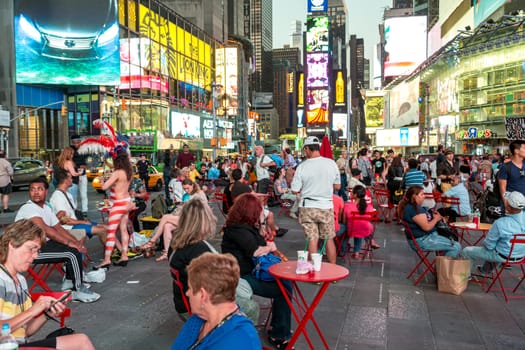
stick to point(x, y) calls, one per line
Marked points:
point(376, 307)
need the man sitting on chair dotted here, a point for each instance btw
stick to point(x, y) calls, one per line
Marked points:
point(64, 206)
point(496, 246)
point(61, 246)
point(459, 191)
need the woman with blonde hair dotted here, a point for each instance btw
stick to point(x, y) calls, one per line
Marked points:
point(196, 224)
point(65, 161)
point(216, 323)
point(19, 246)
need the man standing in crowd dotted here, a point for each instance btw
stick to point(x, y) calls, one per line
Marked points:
point(363, 163)
point(447, 170)
point(511, 176)
point(185, 157)
point(316, 179)
point(142, 166)
point(81, 181)
point(61, 246)
point(496, 246)
point(378, 165)
point(263, 162)
point(414, 177)
point(342, 164)
point(6, 173)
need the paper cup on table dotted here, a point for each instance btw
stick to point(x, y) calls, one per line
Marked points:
point(302, 255)
point(316, 260)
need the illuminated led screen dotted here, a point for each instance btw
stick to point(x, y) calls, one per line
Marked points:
point(69, 42)
point(405, 44)
point(397, 137)
point(317, 34)
point(317, 74)
point(339, 123)
point(404, 104)
point(185, 125)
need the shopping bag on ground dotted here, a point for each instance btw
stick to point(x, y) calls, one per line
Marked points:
point(452, 274)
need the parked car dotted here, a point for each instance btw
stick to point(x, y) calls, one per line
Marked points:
point(26, 170)
point(155, 183)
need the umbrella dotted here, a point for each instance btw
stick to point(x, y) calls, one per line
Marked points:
point(326, 149)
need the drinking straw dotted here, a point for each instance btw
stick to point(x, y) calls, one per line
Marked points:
point(306, 245)
point(323, 246)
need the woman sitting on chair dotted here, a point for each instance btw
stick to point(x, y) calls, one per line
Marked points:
point(243, 240)
point(216, 322)
point(196, 224)
point(422, 223)
point(360, 229)
point(19, 246)
point(281, 189)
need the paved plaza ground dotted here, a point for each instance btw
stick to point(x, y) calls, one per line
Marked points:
point(376, 307)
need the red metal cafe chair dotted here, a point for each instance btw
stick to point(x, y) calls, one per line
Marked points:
point(40, 272)
point(220, 199)
point(452, 202)
point(500, 273)
point(425, 257)
point(367, 249)
point(56, 295)
point(175, 275)
point(384, 204)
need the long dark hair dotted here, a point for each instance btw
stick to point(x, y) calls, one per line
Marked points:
point(122, 162)
point(359, 192)
point(409, 198)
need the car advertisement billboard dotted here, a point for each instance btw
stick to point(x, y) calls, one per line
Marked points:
point(185, 125)
point(405, 47)
point(67, 42)
point(317, 70)
point(317, 34)
point(404, 108)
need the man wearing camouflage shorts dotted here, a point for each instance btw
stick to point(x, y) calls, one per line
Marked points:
point(316, 179)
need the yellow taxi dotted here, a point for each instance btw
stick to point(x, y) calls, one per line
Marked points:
point(155, 182)
point(95, 172)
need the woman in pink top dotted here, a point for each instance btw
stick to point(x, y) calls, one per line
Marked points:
point(359, 229)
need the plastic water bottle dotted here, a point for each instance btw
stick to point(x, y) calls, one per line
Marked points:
point(7, 341)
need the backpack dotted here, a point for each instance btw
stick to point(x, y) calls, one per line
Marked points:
point(159, 206)
point(493, 201)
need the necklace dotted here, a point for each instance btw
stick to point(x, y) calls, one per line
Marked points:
point(220, 324)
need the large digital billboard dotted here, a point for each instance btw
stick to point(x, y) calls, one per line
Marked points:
point(374, 111)
point(226, 75)
point(317, 101)
point(317, 70)
point(185, 125)
point(317, 34)
point(397, 137)
point(67, 42)
point(339, 124)
point(404, 104)
point(405, 47)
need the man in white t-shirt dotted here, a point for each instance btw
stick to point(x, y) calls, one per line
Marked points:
point(64, 206)
point(316, 179)
point(263, 162)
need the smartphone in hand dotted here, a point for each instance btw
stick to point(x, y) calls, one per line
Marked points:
point(61, 299)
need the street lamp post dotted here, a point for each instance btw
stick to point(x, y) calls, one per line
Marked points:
point(214, 114)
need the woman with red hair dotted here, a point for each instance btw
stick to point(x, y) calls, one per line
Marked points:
point(242, 239)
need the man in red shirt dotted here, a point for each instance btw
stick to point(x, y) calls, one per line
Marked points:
point(185, 157)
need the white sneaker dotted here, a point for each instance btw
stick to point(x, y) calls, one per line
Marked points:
point(85, 295)
point(293, 215)
point(66, 285)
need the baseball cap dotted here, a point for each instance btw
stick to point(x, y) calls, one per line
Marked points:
point(515, 199)
point(449, 151)
point(311, 140)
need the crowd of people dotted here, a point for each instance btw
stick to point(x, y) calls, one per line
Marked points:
point(324, 195)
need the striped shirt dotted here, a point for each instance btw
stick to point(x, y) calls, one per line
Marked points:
point(14, 301)
point(414, 177)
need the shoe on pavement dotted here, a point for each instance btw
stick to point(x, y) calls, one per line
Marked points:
point(85, 295)
point(281, 232)
point(8, 210)
point(133, 256)
point(66, 285)
point(293, 215)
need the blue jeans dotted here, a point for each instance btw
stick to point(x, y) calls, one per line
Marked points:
point(434, 242)
point(342, 191)
point(480, 253)
point(281, 314)
point(74, 192)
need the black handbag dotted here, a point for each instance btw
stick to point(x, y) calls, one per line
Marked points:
point(444, 230)
point(60, 332)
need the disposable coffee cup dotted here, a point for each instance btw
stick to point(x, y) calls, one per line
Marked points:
point(316, 261)
point(302, 255)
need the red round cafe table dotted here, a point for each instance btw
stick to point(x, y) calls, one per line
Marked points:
point(286, 271)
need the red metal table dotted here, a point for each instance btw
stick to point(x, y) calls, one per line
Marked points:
point(464, 227)
point(286, 271)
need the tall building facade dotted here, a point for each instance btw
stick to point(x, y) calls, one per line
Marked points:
point(286, 64)
point(260, 33)
point(296, 34)
point(402, 4)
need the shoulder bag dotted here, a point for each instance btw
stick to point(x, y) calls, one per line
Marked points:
point(78, 213)
point(262, 265)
